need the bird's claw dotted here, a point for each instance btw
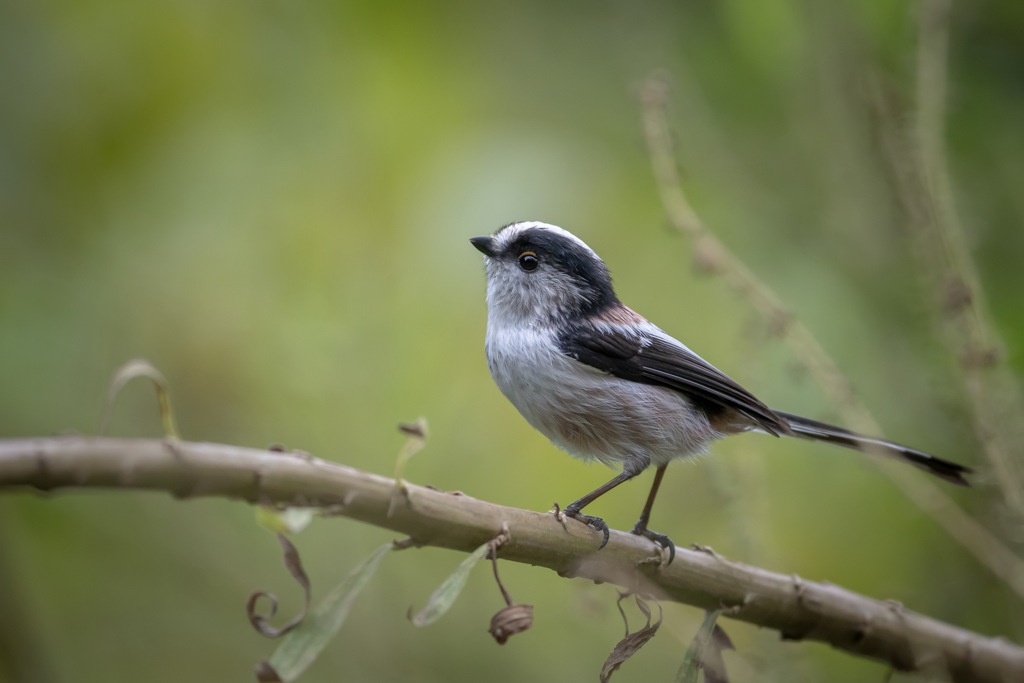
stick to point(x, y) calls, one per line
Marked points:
point(595, 523)
point(661, 539)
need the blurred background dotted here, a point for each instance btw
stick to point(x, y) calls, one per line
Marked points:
point(271, 202)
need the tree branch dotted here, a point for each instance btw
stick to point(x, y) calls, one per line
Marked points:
point(796, 608)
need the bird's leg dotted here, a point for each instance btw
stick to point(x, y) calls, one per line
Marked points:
point(640, 528)
point(574, 509)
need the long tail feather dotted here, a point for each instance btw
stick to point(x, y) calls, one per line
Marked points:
point(807, 428)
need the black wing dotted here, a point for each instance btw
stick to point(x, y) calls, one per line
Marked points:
point(652, 358)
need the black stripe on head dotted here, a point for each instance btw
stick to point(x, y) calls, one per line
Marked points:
point(572, 258)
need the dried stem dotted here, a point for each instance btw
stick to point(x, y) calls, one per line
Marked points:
point(808, 351)
point(994, 399)
point(798, 609)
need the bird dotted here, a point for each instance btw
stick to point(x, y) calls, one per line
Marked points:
point(603, 383)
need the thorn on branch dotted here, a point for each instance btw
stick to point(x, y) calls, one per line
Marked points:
point(706, 549)
point(406, 543)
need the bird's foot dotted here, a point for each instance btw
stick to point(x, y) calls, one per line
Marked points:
point(661, 539)
point(595, 523)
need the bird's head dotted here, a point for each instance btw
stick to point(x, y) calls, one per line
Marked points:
point(540, 272)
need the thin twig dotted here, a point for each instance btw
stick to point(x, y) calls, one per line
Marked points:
point(995, 400)
point(808, 351)
point(798, 609)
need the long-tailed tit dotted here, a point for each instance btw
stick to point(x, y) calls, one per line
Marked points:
point(603, 383)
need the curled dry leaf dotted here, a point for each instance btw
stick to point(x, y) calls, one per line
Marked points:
point(632, 642)
point(510, 621)
point(261, 622)
point(513, 618)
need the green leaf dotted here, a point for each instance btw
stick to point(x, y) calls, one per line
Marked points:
point(445, 595)
point(301, 646)
point(705, 652)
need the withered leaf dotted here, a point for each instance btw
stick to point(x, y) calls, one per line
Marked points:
point(632, 642)
point(261, 622)
point(417, 439)
point(513, 618)
point(509, 621)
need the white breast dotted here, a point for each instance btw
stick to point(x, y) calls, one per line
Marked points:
point(588, 413)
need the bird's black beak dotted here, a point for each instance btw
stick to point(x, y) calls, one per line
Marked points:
point(485, 245)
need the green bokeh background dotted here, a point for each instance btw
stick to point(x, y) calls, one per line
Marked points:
point(271, 201)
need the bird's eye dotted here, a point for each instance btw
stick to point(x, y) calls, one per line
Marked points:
point(528, 261)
